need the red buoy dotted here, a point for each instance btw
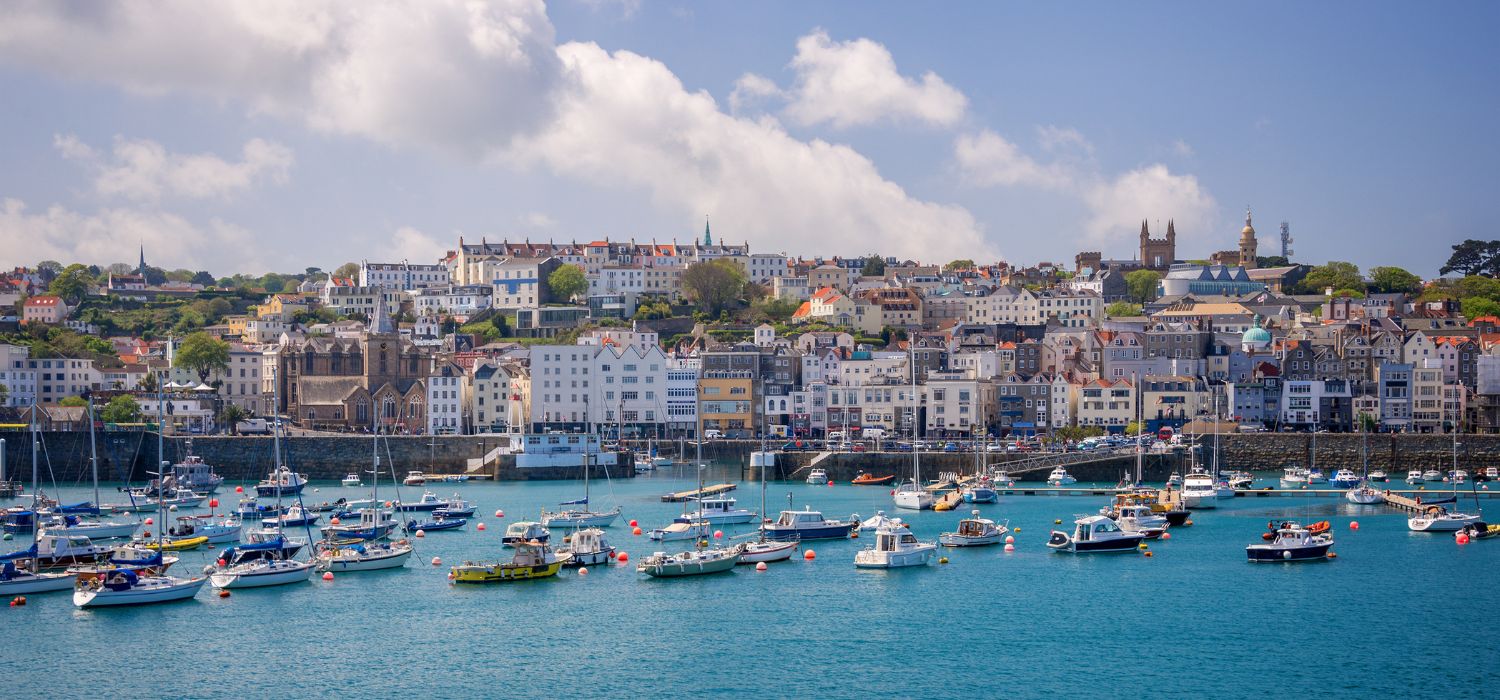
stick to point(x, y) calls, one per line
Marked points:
point(718, 534)
point(327, 575)
point(479, 527)
point(633, 523)
point(1353, 524)
point(809, 555)
point(239, 489)
point(213, 503)
point(636, 532)
point(623, 558)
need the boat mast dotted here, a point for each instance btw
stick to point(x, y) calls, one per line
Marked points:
point(36, 520)
point(763, 456)
point(916, 454)
point(161, 495)
point(93, 450)
point(1140, 425)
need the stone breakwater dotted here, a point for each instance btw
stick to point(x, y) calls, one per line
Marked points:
point(131, 455)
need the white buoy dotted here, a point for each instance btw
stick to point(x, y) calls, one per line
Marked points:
point(437, 561)
point(583, 571)
point(760, 566)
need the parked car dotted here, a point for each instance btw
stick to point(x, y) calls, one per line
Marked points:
point(713, 434)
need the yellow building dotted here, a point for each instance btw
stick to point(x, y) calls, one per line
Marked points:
point(281, 306)
point(726, 403)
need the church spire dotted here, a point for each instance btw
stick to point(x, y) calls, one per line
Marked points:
point(141, 269)
point(708, 238)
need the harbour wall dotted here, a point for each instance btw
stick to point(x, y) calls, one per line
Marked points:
point(130, 455)
point(844, 466)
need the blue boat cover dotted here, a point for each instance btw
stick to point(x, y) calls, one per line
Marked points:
point(579, 502)
point(84, 508)
point(120, 579)
point(152, 559)
point(28, 553)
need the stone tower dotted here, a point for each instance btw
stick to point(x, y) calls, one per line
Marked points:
point(1247, 243)
point(1158, 254)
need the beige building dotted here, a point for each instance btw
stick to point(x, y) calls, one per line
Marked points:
point(1107, 404)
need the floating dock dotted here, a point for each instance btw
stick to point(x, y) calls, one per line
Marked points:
point(695, 494)
point(1402, 499)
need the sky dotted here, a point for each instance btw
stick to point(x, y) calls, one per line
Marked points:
point(274, 136)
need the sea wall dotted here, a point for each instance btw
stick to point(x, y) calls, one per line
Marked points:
point(843, 466)
point(1392, 452)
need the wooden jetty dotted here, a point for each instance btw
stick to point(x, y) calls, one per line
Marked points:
point(695, 494)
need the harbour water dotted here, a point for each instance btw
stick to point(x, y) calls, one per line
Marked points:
point(1396, 614)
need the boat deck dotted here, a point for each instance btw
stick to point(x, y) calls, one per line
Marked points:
point(714, 490)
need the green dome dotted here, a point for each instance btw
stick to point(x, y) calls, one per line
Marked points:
point(1256, 336)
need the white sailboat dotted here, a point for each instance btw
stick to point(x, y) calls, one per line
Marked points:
point(581, 517)
point(1436, 517)
point(910, 495)
point(700, 560)
point(365, 553)
point(763, 549)
point(1363, 493)
point(16, 579)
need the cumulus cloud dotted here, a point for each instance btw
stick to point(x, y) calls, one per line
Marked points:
point(626, 119)
point(752, 89)
point(988, 160)
point(408, 243)
point(113, 234)
point(460, 76)
point(537, 219)
point(853, 83)
point(1181, 149)
point(141, 169)
point(1117, 205)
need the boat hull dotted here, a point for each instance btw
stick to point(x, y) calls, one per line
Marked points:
point(689, 568)
point(140, 595)
point(1262, 553)
point(1062, 542)
point(286, 490)
point(1439, 524)
point(952, 539)
point(875, 559)
point(393, 560)
point(101, 532)
point(262, 577)
point(587, 558)
point(578, 521)
point(981, 495)
point(37, 583)
point(812, 533)
point(500, 573)
point(756, 552)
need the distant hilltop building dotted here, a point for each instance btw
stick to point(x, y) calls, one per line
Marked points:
point(1245, 255)
point(1158, 253)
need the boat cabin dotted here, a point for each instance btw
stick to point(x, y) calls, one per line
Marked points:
point(895, 540)
point(975, 527)
point(799, 518)
point(1094, 528)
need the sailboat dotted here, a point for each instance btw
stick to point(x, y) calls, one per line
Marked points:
point(910, 495)
point(361, 546)
point(271, 565)
point(125, 586)
point(702, 559)
point(581, 517)
point(1363, 493)
point(1435, 516)
point(684, 527)
point(763, 549)
point(982, 490)
point(71, 523)
point(15, 579)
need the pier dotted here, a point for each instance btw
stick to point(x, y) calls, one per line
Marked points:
point(695, 494)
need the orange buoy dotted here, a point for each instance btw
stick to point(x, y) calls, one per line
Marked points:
point(1331, 555)
point(497, 513)
point(583, 571)
point(1187, 522)
point(760, 566)
point(223, 592)
point(437, 561)
point(327, 575)
point(479, 527)
point(1166, 535)
point(636, 532)
point(623, 558)
point(1149, 554)
point(334, 520)
point(809, 555)
point(1353, 524)
point(421, 533)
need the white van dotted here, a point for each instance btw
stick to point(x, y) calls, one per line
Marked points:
point(836, 436)
point(713, 434)
point(873, 433)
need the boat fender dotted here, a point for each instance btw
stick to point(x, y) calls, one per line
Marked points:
point(1268, 536)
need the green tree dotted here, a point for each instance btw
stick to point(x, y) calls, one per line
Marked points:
point(874, 267)
point(1271, 261)
point(775, 310)
point(204, 278)
point(1122, 309)
point(202, 353)
point(1134, 428)
point(567, 282)
point(1474, 307)
point(72, 284)
point(1394, 280)
point(1476, 286)
point(1335, 275)
point(960, 264)
point(1474, 258)
point(73, 402)
point(713, 284)
point(49, 268)
point(148, 383)
point(273, 283)
point(180, 275)
point(348, 270)
point(1142, 284)
point(121, 409)
point(231, 416)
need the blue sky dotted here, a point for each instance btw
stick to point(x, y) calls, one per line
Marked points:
point(242, 138)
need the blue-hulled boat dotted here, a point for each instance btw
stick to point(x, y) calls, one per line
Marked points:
point(19, 520)
point(808, 524)
point(456, 508)
point(981, 493)
point(428, 503)
point(436, 524)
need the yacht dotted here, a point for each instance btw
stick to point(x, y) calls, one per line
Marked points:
point(808, 524)
point(1198, 490)
point(362, 556)
point(1174, 481)
point(1415, 477)
point(721, 511)
point(524, 531)
point(126, 587)
point(414, 479)
point(218, 531)
point(1095, 533)
point(427, 503)
point(586, 547)
point(981, 492)
point(1290, 542)
point(368, 524)
point(15, 580)
point(682, 528)
point(1379, 476)
point(351, 479)
point(193, 474)
point(1060, 477)
point(817, 476)
point(895, 547)
point(1141, 520)
point(50, 551)
point(1003, 479)
point(1344, 479)
point(1436, 518)
point(766, 551)
point(1365, 495)
point(282, 480)
point(1293, 477)
point(1241, 480)
point(1432, 475)
point(974, 532)
point(258, 566)
point(911, 496)
point(690, 563)
point(1316, 476)
point(295, 516)
point(92, 529)
point(1224, 489)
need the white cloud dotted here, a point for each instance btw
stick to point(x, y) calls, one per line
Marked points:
point(410, 244)
point(1117, 205)
point(751, 89)
point(537, 219)
point(113, 235)
point(988, 160)
point(1064, 139)
point(1181, 149)
point(627, 120)
point(141, 169)
point(460, 76)
point(626, 8)
point(853, 83)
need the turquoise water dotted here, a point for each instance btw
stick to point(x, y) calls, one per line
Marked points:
point(1397, 613)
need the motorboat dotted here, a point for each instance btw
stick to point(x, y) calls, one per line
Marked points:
point(1379, 476)
point(351, 479)
point(817, 476)
point(533, 559)
point(296, 516)
point(721, 511)
point(1223, 489)
point(1365, 495)
point(1478, 530)
point(766, 551)
point(875, 521)
point(660, 461)
point(696, 562)
point(1198, 490)
point(894, 548)
point(414, 479)
point(1436, 518)
point(362, 556)
point(434, 524)
point(283, 481)
point(456, 508)
point(1060, 477)
point(369, 524)
point(524, 531)
point(1415, 477)
point(1492, 473)
point(338, 505)
point(1316, 476)
point(682, 528)
point(1003, 479)
point(250, 508)
point(126, 587)
point(216, 531)
point(643, 465)
point(263, 544)
point(195, 475)
point(49, 551)
point(974, 532)
point(586, 547)
point(911, 496)
point(1293, 478)
point(1094, 534)
point(1141, 520)
point(980, 492)
point(1289, 541)
point(427, 503)
point(1174, 481)
point(808, 524)
point(172, 498)
point(1432, 475)
point(867, 479)
point(1458, 476)
point(1241, 480)
point(1344, 479)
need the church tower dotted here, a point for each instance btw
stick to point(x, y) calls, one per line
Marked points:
point(708, 239)
point(1158, 253)
point(1247, 243)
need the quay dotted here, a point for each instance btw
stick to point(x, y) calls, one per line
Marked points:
point(695, 494)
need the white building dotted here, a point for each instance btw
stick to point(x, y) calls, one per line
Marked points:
point(498, 396)
point(584, 387)
point(241, 384)
point(641, 340)
point(682, 396)
point(765, 268)
point(1071, 309)
point(16, 376)
point(402, 276)
point(517, 282)
point(57, 379)
point(446, 390)
point(460, 301)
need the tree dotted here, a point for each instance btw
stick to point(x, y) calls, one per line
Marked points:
point(148, 383)
point(349, 270)
point(1474, 307)
point(874, 267)
point(121, 409)
point(1474, 258)
point(713, 284)
point(1476, 286)
point(776, 310)
point(180, 275)
point(49, 268)
point(155, 276)
point(1121, 309)
point(1394, 280)
point(120, 269)
point(567, 282)
point(204, 278)
point(73, 402)
point(273, 283)
point(231, 416)
point(1271, 261)
point(1142, 284)
point(1134, 428)
point(203, 354)
point(1335, 275)
point(960, 264)
point(72, 284)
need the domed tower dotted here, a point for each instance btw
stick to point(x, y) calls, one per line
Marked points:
point(1247, 243)
point(1256, 339)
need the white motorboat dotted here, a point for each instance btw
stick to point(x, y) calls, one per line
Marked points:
point(1316, 476)
point(1174, 481)
point(1060, 477)
point(174, 498)
point(1141, 520)
point(766, 551)
point(974, 532)
point(1379, 476)
point(1436, 518)
point(808, 524)
point(92, 529)
point(874, 522)
point(721, 511)
point(586, 547)
point(414, 479)
point(1458, 476)
point(895, 547)
point(1094, 534)
point(1290, 542)
point(911, 496)
point(1003, 479)
point(371, 524)
point(1415, 477)
point(1364, 495)
point(525, 531)
point(1293, 477)
point(261, 572)
point(363, 556)
point(351, 479)
point(817, 476)
point(1198, 491)
point(1223, 489)
point(1432, 475)
point(282, 481)
point(218, 531)
point(427, 503)
point(682, 528)
point(691, 563)
point(643, 465)
point(1344, 479)
point(1241, 480)
point(296, 516)
point(126, 587)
